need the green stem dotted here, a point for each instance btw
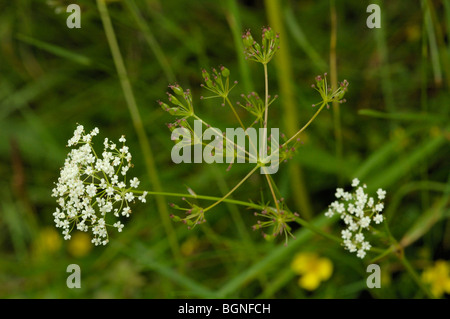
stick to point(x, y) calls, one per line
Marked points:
point(226, 138)
point(212, 198)
point(299, 220)
point(313, 228)
point(266, 107)
point(273, 193)
point(231, 191)
point(266, 94)
point(235, 113)
point(383, 254)
point(242, 125)
point(305, 126)
point(406, 263)
point(415, 277)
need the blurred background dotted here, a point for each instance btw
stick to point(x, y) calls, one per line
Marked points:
point(392, 133)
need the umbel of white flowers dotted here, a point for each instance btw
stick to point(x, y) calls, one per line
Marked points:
point(358, 211)
point(89, 193)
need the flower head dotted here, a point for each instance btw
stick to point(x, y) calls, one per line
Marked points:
point(438, 277)
point(178, 108)
point(263, 52)
point(276, 221)
point(88, 190)
point(329, 96)
point(357, 210)
point(217, 82)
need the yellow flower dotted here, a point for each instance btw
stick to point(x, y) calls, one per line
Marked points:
point(312, 269)
point(438, 277)
point(49, 241)
point(80, 245)
point(190, 246)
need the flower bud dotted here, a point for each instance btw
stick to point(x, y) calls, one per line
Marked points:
point(225, 71)
point(174, 100)
point(177, 89)
point(247, 39)
point(268, 33)
point(205, 74)
point(341, 95)
point(164, 106)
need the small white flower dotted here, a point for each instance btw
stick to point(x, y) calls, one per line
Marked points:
point(350, 246)
point(110, 191)
point(348, 219)
point(124, 170)
point(378, 218)
point(346, 234)
point(101, 222)
point(366, 245)
point(114, 180)
point(359, 237)
point(76, 135)
point(126, 211)
point(103, 183)
point(381, 194)
point(134, 182)
point(347, 196)
point(124, 149)
point(379, 207)
point(142, 197)
point(364, 222)
point(361, 253)
point(329, 213)
point(355, 182)
point(122, 139)
point(119, 226)
point(116, 161)
point(91, 190)
point(359, 212)
point(340, 208)
point(353, 226)
point(89, 170)
point(129, 197)
point(339, 192)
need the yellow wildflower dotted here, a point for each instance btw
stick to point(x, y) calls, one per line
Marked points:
point(438, 277)
point(48, 241)
point(190, 246)
point(80, 245)
point(312, 269)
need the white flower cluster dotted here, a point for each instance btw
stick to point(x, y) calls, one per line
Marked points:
point(88, 190)
point(358, 211)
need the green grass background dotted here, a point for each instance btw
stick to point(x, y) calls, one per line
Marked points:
point(394, 135)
